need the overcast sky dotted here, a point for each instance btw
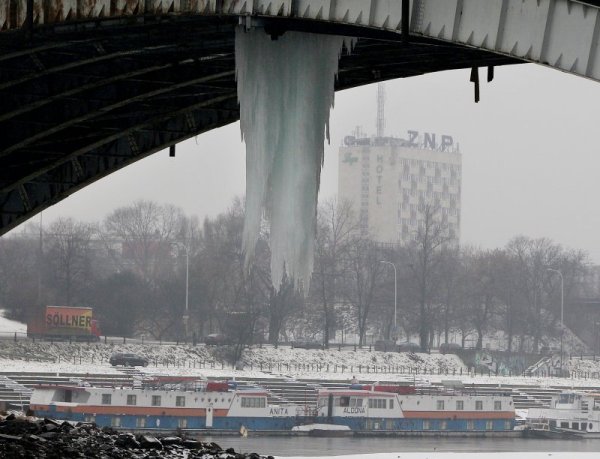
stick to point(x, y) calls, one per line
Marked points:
point(530, 155)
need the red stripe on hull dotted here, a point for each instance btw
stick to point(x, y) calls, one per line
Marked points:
point(132, 410)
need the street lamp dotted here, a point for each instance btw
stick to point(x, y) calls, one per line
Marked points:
point(395, 297)
point(562, 304)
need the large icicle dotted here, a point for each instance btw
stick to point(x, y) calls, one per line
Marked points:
point(286, 90)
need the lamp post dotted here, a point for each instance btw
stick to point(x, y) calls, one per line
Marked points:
point(395, 297)
point(562, 303)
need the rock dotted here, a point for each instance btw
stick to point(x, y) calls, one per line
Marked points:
point(50, 439)
point(149, 442)
point(171, 440)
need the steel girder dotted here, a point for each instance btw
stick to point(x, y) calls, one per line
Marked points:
point(81, 99)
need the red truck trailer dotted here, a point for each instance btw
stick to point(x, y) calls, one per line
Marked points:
point(64, 323)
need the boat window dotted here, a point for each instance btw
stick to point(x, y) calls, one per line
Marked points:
point(253, 402)
point(377, 403)
point(507, 425)
point(68, 396)
point(478, 405)
point(156, 400)
point(344, 401)
point(564, 425)
point(391, 404)
point(583, 426)
point(182, 423)
point(440, 405)
point(140, 421)
point(460, 405)
point(552, 424)
point(131, 399)
point(106, 399)
point(89, 418)
point(443, 425)
point(590, 426)
point(489, 425)
point(359, 402)
point(115, 421)
point(180, 400)
point(497, 405)
point(566, 398)
point(575, 425)
point(426, 424)
point(470, 424)
point(322, 402)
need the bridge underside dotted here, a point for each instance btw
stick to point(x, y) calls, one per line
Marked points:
point(83, 99)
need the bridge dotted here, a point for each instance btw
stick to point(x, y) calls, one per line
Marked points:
point(90, 86)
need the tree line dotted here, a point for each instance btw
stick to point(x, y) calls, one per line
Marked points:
point(131, 268)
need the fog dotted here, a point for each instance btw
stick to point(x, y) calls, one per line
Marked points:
point(529, 156)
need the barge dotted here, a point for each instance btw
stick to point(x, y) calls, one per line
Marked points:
point(226, 408)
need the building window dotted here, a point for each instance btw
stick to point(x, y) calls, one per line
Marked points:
point(180, 400)
point(106, 399)
point(478, 405)
point(497, 405)
point(140, 421)
point(156, 400)
point(440, 404)
point(460, 405)
point(131, 399)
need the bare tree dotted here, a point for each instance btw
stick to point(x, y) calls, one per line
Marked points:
point(335, 227)
point(363, 276)
point(432, 235)
point(147, 231)
point(68, 251)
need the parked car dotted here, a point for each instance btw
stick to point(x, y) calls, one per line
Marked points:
point(408, 347)
point(215, 339)
point(386, 345)
point(449, 348)
point(307, 344)
point(128, 360)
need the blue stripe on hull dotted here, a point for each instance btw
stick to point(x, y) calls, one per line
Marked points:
point(286, 423)
point(420, 425)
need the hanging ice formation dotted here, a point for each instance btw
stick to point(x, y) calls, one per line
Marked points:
point(285, 90)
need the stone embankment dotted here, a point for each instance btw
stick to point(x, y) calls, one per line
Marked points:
point(28, 437)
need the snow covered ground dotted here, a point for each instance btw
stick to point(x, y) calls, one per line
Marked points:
point(460, 455)
point(265, 362)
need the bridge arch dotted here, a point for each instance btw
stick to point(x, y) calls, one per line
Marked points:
point(91, 86)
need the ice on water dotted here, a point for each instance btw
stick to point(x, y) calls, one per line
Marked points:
point(285, 90)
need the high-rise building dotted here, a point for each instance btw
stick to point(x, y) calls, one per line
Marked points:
point(392, 183)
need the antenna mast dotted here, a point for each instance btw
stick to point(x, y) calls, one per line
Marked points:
point(380, 109)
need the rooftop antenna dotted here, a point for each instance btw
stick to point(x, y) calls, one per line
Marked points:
point(380, 109)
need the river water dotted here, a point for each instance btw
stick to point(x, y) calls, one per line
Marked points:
point(315, 446)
